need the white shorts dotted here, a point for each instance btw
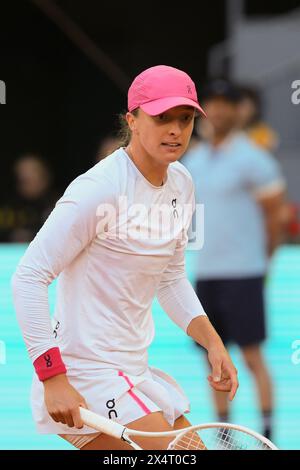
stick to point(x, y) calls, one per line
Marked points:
point(119, 396)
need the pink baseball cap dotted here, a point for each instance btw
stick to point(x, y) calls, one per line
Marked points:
point(160, 88)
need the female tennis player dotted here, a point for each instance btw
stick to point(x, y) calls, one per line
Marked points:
point(113, 255)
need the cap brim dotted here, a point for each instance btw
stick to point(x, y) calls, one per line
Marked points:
point(153, 108)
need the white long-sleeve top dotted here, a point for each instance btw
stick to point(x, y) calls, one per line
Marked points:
point(97, 241)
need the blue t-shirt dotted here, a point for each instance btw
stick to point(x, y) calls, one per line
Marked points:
point(227, 180)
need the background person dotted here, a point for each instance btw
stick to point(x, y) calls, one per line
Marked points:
point(107, 145)
point(32, 200)
point(241, 187)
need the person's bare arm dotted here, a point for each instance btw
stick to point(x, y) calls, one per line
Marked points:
point(272, 206)
point(224, 374)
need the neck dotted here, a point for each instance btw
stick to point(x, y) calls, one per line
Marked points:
point(154, 172)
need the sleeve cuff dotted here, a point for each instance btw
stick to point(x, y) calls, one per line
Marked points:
point(270, 189)
point(49, 364)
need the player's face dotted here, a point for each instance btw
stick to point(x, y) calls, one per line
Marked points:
point(222, 114)
point(165, 137)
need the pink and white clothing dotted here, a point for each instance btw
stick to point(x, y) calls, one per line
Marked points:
point(103, 323)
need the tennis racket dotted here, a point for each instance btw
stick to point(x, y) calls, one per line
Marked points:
point(207, 436)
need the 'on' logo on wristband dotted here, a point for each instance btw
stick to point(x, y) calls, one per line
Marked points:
point(2, 92)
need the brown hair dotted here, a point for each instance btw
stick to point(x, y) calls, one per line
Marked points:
point(124, 132)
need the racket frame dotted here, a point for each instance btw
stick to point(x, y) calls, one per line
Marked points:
point(119, 431)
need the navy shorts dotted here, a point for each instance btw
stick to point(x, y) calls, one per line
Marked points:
point(235, 307)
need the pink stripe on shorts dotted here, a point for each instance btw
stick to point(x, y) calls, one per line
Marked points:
point(133, 395)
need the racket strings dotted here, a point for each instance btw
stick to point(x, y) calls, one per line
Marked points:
point(226, 440)
point(218, 439)
point(190, 440)
point(229, 439)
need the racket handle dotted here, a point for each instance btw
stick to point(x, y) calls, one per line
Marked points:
point(101, 424)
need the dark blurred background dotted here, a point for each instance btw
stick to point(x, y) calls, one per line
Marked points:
point(60, 104)
point(67, 65)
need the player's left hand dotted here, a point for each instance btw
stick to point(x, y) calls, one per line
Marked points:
point(224, 375)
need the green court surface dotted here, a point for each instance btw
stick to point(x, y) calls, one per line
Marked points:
point(173, 352)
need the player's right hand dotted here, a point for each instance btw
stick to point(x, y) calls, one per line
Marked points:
point(63, 401)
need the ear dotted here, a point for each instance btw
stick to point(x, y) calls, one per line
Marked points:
point(131, 121)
